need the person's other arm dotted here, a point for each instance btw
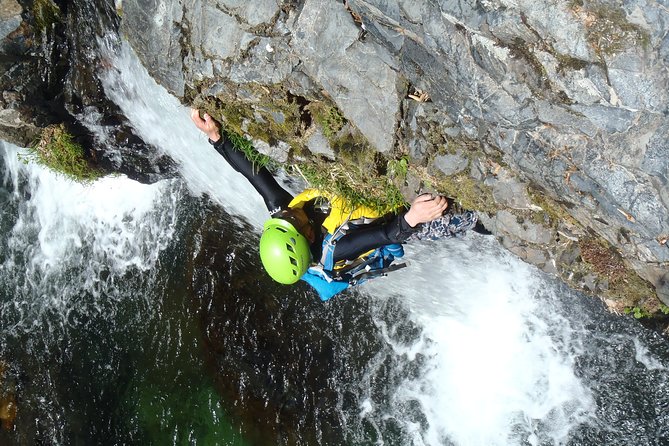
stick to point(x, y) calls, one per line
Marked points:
point(275, 196)
point(424, 208)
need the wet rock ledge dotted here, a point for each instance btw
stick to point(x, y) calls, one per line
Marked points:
point(550, 118)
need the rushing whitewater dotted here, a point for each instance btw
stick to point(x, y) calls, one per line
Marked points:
point(498, 365)
point(115, 225)
point(164, 122)
point(468, 346)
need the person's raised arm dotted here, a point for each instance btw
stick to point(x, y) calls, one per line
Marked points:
point(275, 197)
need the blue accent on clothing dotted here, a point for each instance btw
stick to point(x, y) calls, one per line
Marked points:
point(322, 281)
point(326, 290)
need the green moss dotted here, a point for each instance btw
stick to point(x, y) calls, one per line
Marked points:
point(258, 159)
point(552, 212)
point(58, 151)
point(469, 193)
point(328, 117)
point(358, 185)
point(45, 13)
point(521, 49)
point(269, 114)
point(610, 32)
point(568, 63)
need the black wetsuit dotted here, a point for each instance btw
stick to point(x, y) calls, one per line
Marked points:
point(393, 229)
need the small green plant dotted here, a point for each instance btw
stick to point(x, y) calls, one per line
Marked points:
point(398, 169)
point(58, 151)
point(637, 312)
point(355, 186)
point(258, 159)
point(664, 309)
point(329, 118)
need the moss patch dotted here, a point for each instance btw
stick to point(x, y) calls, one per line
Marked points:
point(552, 213)
point(58, 151)
point(274, 114)
point(328, 117)
point(45, 13)
point(468, 192)
point(608, 30)
point(625, 285)
point(359, 184)
point(271, 114)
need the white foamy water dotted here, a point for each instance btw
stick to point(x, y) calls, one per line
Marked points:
point(68, 238)
point(500, 360)
point(163, 121)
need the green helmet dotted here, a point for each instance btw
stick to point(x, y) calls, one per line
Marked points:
point(284, 252)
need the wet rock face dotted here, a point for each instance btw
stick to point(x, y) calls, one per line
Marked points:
point(15, 86)
point(571, 98)
point(8, 404)
point(48, 75)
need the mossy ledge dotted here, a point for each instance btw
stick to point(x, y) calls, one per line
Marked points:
point(58, 151)
point(275, 115)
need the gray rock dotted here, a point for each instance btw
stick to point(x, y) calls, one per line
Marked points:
point(508, 223)
point(10, 17)
point(452, 163)
point(352, 72)
point(223, 37)
point(509, 192)
point(268, 62)
point(638, 84)
point(278, 152)
point(610, 119)
point(318, 144)
point(253, 13)
point(556, 24)
point(153, 29)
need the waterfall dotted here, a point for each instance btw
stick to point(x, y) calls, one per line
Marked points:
point(503, 341)
point(502, 354)
point(165, 123)
point(68, 238)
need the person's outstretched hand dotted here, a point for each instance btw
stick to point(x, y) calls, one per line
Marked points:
point(208, 125)
point(425, 208)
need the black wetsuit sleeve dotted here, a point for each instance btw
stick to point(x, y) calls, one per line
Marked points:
point(352, 245)
point(275, 196)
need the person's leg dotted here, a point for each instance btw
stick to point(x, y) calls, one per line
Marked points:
point(449, 225)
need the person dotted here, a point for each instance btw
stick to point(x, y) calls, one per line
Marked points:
point(316, 237)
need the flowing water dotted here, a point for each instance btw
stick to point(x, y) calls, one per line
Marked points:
point(139, 314)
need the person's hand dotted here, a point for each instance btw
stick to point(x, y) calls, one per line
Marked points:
point(425, 208)
point(208, 125)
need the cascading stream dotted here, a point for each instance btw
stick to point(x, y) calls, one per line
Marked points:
point(66, 230)
point(505, 347)
point(468, 346)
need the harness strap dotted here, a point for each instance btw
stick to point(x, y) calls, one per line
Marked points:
point(327, 255)
point(376, 273)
